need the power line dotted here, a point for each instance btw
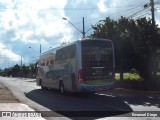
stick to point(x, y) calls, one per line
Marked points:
point(134, 14)
point(142, 15)
point(13, 42)
point(48, 9)
point(126, 10)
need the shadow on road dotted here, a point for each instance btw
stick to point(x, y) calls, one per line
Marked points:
point(80, 105)
point(144, 100)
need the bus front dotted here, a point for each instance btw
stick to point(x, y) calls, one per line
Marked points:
point(97, 72)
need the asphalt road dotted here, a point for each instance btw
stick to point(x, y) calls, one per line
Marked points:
point(74, 106)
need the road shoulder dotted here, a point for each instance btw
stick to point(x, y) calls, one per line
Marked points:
point(6, 96)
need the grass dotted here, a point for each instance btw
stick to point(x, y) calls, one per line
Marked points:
point(128, 76)
point(158, 74)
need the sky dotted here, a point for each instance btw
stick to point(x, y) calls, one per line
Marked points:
point(27, 24)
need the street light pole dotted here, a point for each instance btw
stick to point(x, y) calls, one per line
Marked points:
point(93, 25)
point(35, 50)
point(83, 32)
point(83, 29)
point(154, 56)
point(21, 67)
point(153, 19)
point(40, 49)
point(152, 11)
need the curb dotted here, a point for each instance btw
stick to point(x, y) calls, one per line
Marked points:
point(134, 91)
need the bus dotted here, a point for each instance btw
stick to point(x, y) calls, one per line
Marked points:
point(83, 65)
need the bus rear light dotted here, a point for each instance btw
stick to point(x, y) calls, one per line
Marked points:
point(80, 76)
point(113, 73)
point(81, 80)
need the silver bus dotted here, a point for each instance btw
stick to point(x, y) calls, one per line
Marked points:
point(83, 65)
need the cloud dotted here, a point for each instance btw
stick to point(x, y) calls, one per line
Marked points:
point(34, 18)
point(8, 53)
point(108, 5)
point(102, 6)
point(25, 23)
point(32, 22)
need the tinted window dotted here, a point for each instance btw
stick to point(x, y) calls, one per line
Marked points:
point(97, 53)
point(61, 55)
point(71, 51)
point(47, 63)
point(65, 53)
point(51, 62)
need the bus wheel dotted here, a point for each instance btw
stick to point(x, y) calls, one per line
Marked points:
point(43, 88)
point(61, 87)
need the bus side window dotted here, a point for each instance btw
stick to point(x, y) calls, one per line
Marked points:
point(42, 64)
point(71, 51)
point(47, 63)
point(61, 55)
point(64, 55)
point(58, 55)
point(51, 62)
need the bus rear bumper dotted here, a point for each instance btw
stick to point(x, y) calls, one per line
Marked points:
point(96, 88)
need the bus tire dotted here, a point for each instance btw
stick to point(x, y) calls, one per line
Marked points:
point(42, 87)
point(73, 79)
point(61, 87)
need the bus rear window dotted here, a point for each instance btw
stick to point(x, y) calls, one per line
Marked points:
point(97, 53)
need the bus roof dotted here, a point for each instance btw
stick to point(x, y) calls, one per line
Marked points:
point(83, 39)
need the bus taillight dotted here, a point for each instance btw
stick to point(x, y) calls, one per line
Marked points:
point(113, 73)
point(80, 76)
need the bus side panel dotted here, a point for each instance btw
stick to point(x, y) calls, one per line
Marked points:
point(38, 78)
point(74, 70)
point(67, 75)
point(70, 72)
point(71, 79)
point(65, 67)
point(78, 64)
point(57, 75)
point(38, 81)
point(43, 78)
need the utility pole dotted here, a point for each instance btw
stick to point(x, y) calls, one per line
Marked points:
point(21, 67)
point(40, 49)
point(153, 17)
point(83, 32)
point(154, 54)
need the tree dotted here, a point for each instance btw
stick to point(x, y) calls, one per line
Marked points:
point(33, 69)
point(16, 71)
point(134, 47)
point(146, 49)
point(117, 32)
point(25, 70)
point(7, 72)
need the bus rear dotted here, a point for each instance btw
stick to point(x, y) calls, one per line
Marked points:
point(97, 72)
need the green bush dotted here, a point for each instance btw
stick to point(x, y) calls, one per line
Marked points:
point(129, 76)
